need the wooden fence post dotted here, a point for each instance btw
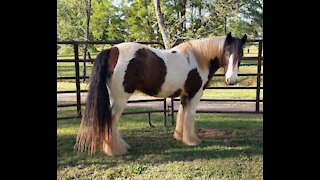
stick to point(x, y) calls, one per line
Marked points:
point(172, 111)
point(76, 63)
point(259, 77)
point(165, 111)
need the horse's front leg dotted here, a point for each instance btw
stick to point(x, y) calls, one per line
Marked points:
point(189, 136)
point(180, 117)
point(179, 126)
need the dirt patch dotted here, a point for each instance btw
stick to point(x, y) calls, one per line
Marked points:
point(249, 82)
point(224, 133)
point(218, 133)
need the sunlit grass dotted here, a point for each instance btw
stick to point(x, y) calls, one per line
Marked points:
point(231, 149)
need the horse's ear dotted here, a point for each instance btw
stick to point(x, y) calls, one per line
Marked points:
point(229, 38)
point(244, 39)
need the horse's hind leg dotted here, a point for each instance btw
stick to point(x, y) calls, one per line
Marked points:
point(115, 145)
point(189, 136)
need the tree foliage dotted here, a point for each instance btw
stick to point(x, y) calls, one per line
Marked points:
point(140, 20)
point(70, 19)
point(135, 20)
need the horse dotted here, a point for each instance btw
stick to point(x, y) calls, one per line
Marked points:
point(182, 71)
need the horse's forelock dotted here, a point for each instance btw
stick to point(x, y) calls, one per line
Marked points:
point(236, 48)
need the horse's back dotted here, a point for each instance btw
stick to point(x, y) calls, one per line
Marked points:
point(156, 72)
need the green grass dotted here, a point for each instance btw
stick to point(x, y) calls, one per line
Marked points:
point(231, 149)
point(71, 85)
point(231, 94)
point(68, 70)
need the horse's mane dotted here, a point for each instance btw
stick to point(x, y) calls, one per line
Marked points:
point(204, 49)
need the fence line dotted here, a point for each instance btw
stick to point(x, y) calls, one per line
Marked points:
point(166, 112)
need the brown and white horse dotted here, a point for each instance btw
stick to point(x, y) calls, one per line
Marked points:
point(183, 71)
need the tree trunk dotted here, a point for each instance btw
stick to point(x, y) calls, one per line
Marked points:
point(88, 12)
point(164, 32)
point(191, 17)
point(183, 4)
point(225, 25)
point(200, 14)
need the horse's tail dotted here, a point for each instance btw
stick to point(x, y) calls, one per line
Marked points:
point(97, 115)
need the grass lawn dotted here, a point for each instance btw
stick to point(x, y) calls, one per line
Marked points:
point(232, 148)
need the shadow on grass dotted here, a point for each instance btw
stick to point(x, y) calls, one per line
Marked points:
point(157, 145)
point(163, 147)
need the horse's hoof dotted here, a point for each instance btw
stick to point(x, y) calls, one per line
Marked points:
point(124, 144)
point(192, 141)
point(119, 150)
point(177, 136)
point(116, 153)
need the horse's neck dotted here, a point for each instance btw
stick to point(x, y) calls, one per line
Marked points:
point(204, 50)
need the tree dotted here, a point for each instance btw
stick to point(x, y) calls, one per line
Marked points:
point(140, 20)
point(252, 10)
point(164, 32)
point(182, 5)
point(70, 20)
point(106, 22)
point(88, 14)
point(137, 20)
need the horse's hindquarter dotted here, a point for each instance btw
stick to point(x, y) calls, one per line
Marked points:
point(126, 54)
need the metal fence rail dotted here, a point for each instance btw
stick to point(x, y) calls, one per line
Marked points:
point(166, 112)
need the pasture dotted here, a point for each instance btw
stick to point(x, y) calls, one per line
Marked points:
point(232, 148)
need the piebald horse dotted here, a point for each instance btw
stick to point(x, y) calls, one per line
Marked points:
point(182, 71)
